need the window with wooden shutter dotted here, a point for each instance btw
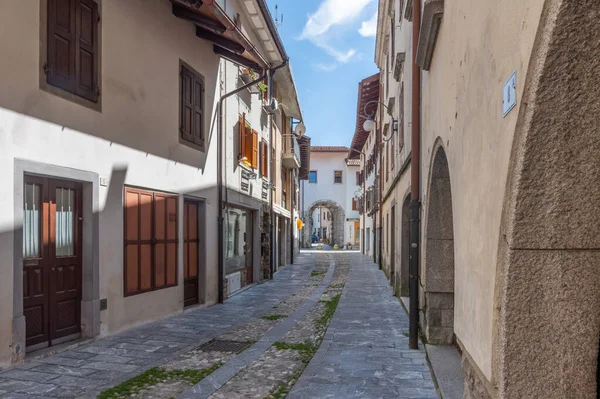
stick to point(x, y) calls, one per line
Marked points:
point(192, 108)
point(73, 47)
point(254, 158)
point(248, 145)
point(358, 178)
point(151, 241)
point(354, 204)
point(242, 136)
point(264, 158)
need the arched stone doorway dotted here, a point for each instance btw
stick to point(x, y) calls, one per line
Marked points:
point(337, 225)
point(547, 321)
point(438, 270)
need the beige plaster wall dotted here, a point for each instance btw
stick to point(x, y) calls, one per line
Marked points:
point(480, 44)
point(142, 44)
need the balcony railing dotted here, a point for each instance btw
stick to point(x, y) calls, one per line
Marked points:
point(291, 152)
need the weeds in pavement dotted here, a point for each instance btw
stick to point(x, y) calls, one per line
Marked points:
point(273, 316)
point(316, 273)
point(154, 376)
point(330, 307)
point(336, 286)
point(307, 349)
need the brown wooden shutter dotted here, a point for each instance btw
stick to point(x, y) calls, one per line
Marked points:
point(254, 149)
point(265, 152)
point(242, 136)
point(198, 120)
point(61, 44)
point(87, 49)
point(187, 104)
point(248, 140)
point(354, 204)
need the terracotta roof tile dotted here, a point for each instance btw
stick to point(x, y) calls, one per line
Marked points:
point(329, 148)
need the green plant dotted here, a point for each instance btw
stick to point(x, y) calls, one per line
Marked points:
point(154, 376)
point(306, 349)
point(316, 273)
point(273, 316)
point(330, 307)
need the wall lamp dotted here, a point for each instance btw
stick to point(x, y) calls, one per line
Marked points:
point(369, 124)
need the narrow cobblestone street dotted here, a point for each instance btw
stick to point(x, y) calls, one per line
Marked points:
point(325, 327)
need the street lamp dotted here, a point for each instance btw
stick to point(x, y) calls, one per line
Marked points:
point(369, 123)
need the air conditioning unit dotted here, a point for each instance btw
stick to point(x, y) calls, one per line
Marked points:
point(271, 107)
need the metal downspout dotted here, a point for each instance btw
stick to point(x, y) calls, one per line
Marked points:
point(270, 74)
point(415, 163)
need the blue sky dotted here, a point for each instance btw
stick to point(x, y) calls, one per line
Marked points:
point(331, 45)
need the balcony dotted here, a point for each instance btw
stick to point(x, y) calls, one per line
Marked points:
point(291, 152)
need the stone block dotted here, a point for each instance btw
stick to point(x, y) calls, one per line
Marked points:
point(440, 300)
point(439, 335)
point(447, 318)
point(439, 266)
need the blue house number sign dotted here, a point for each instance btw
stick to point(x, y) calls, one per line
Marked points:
point(509, 94)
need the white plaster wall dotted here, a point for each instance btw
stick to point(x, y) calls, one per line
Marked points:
point(325, 163)
point(480, 44)
point(142, 44)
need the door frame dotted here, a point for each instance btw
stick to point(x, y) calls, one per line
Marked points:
point(201, 204)
point(90, 289)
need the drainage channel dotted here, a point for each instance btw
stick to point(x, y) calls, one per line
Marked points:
point(219, 377)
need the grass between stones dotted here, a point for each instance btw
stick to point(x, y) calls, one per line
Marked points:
point(316, 273)
point(273, 316)
point(154, 376)
point(307, 349)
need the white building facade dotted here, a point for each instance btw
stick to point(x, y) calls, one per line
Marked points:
point(332, 185)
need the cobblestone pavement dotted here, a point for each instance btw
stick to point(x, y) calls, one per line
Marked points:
point(89, 369)
point(365, 352)
point(295, 341)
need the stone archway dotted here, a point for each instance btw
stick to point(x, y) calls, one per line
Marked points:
point(404, 248)
point(547, 301)
point(338, 219)
point(438, 270)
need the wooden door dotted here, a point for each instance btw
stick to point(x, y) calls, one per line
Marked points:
point(191, 239)
point(356, 234)
point(52, 260)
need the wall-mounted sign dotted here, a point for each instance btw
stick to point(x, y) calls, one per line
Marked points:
point(509, 94)
point(103, 181)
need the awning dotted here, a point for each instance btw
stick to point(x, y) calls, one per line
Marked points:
point(213, 24)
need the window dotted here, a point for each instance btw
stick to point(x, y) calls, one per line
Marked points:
point(72, 50)
point(192, 108)
point(264, 159)
point(248, 141)
point(354, 204)
point(312, 176)
point(337, 176)
point(151, 241)
point(358, 178)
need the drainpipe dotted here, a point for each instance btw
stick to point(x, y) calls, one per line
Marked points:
point(292, 192)
point(380, 197)
point(220, 218)
point(270, 74)
point(415, 163)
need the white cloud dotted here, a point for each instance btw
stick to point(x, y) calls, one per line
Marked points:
point(326, 67)
point(332, 13)
point(369, 28)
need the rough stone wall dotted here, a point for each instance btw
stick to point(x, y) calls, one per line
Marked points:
point(548, 281)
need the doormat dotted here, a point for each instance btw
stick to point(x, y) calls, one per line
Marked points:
point(217, 345)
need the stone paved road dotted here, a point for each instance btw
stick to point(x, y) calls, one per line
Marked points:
point(91, 368)
point(365, 352)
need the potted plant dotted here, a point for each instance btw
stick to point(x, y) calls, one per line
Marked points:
point(246, 75)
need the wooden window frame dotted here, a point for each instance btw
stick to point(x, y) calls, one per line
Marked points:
point(152, 242)
point(248, 140)
point(341, 177)
point(358, 178)
point(70, 95)
point(264, 159)
point(184, 138)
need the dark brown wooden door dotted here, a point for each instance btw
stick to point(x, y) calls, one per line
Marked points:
point(51, 260)
point(191, 249)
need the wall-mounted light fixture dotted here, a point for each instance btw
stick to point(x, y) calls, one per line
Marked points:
point(369, 124)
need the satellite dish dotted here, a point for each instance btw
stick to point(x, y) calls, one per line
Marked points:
point(300, 129)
